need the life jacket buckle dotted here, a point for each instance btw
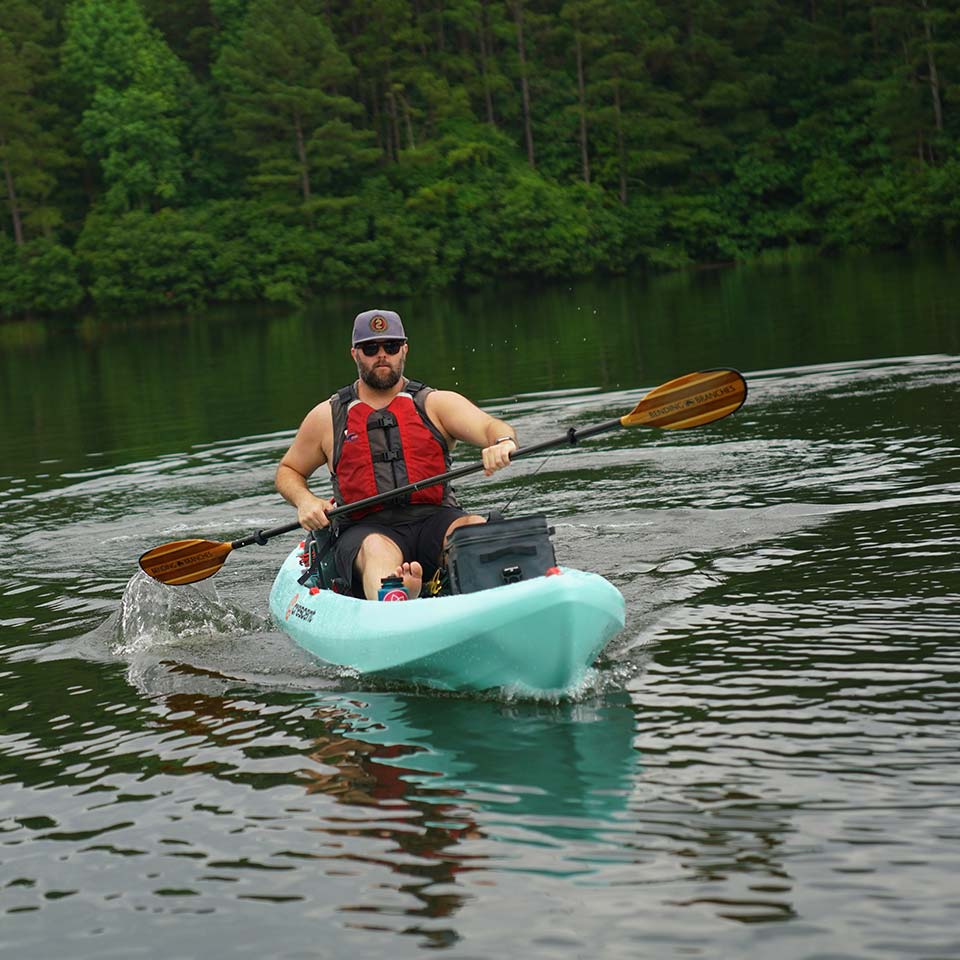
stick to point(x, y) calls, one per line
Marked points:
point(383, 419)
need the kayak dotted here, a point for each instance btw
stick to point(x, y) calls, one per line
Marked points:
point(537, 635)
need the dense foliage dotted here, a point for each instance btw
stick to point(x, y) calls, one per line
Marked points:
point(191, 151)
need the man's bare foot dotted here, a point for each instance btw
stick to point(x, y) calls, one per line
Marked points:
point(412, 574)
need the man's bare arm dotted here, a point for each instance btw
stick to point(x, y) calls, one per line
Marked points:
point(463, 420)
point(307, 452)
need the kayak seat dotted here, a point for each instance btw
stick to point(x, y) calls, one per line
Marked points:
point(321, 568)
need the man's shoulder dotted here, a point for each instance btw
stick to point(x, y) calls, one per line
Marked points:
point(321, 416)
point(449, 398)
point(438, 395)
point(435, 400)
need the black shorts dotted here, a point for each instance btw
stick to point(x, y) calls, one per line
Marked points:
point(419, 538)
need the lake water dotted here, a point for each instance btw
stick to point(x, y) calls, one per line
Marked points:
point(765, 764)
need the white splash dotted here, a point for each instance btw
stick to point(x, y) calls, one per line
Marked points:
point(152, 616)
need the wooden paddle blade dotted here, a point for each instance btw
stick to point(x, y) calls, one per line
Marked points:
point(690, 401)
point(185, 561)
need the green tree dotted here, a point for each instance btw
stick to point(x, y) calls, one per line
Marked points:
point(194, 151)
point(30, 156)
point(913, 39)
point(189, 28)
point(645, 130)
point(519, 13)
point(585, 41)
point(283, 81)
point(137, 95)
point(40, 275)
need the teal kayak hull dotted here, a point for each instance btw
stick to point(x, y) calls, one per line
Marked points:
point(540, 635)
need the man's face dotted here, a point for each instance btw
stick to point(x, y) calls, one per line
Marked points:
point(383, 370)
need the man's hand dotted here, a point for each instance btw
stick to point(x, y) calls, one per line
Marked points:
point(497, 455)
point(312, 512)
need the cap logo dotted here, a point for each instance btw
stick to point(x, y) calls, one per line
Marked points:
point(378, 324)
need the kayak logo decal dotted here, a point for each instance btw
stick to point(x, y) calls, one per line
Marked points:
point(298, 610)
point(349, 436)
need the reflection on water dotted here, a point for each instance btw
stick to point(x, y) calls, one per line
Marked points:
point(366, 786)
point(471, 772)
point(545, 761)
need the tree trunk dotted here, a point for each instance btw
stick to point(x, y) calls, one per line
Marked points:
point(394, 123)
point(581, 92)
point(12, 200)
point(932, 70)
point(908, 63)
point(375, 116)
point(408, 122)
point(621, 151)
point(487, 94)
point(302, 157)
point(418, 17)
point(517, 6)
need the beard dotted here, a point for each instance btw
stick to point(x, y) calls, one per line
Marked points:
point(380, 378)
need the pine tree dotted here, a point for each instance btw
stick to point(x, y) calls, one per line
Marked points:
point(911, 41)
point(518, 11)
point(189, 27)
point(644, 126)
point(137, 96)
point(283, 80)
point(30, 157)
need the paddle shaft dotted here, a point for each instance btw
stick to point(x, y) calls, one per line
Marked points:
point(571, 437)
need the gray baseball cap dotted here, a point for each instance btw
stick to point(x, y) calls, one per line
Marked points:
point(377, 325)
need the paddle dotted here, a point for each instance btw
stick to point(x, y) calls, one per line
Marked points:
point(686, 402)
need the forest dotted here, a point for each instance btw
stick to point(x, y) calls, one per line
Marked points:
point(181, 153)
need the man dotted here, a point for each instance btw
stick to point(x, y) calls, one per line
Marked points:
point(378, 433)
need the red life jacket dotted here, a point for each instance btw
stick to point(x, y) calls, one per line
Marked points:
point(379, 450)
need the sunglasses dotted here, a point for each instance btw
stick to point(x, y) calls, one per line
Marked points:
point(372, 347)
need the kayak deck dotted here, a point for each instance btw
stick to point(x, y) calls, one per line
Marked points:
point(538, 635)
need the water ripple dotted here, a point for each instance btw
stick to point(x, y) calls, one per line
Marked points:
point(764, 762)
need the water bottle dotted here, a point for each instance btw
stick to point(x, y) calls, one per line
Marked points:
point(392, 588)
